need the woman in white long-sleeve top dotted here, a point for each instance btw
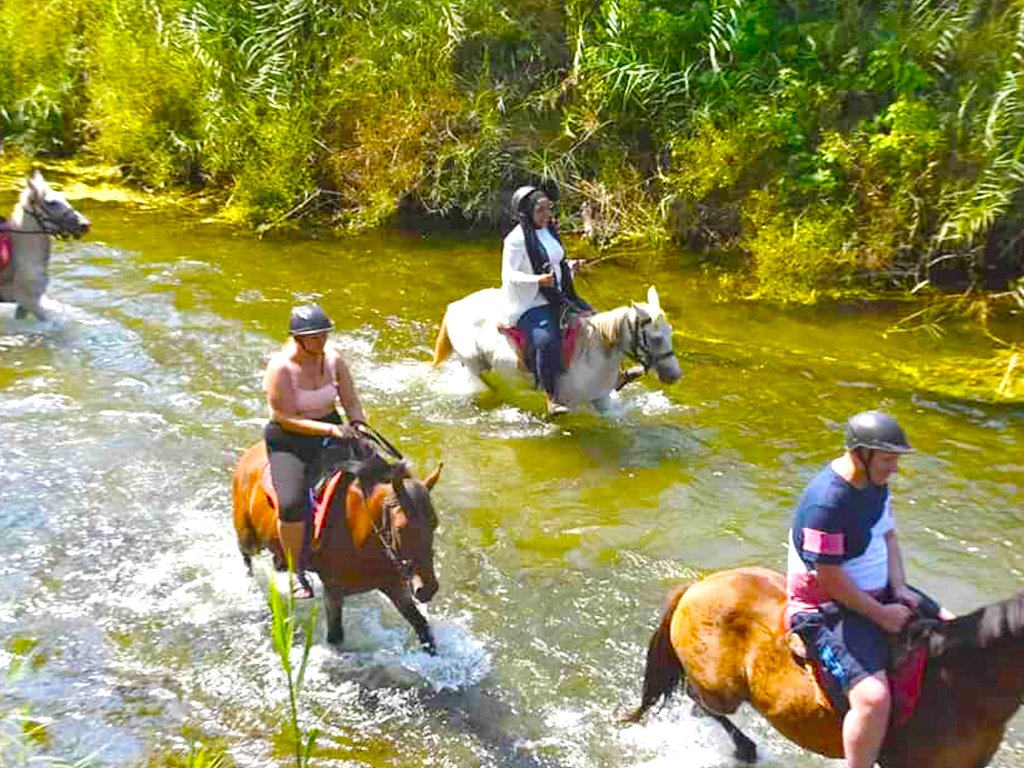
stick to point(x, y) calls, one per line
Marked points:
point(537, 282)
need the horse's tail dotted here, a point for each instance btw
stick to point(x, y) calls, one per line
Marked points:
point(443, 345)
point(664, 672)
point(245, 532)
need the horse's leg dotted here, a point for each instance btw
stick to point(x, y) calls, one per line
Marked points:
point(20, 313)
point(603, 404)
point(745, 749)
point(247, 559)
point(401, 597)
point(333, 595)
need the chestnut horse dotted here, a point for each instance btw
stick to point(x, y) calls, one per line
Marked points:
point(723, 639)
point(385, 541)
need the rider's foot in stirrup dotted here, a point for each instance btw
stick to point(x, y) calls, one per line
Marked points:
point(301, 588)
point(555, 408)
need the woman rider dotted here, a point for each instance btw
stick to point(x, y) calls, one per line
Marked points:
point(302, 381)
point(537, 283)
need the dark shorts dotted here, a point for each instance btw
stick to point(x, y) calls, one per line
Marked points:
point(849, 646)
point(294, 465)
point(846, 645)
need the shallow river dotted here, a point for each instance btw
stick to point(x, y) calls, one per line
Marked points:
point(129, 628)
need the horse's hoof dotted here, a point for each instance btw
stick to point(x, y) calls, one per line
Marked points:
point(336, 638)
point(20, 313)
point(430, 648)
point(747, 752)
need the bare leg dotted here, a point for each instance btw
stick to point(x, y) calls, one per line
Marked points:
point(293, 537)
point(402, 600)
point(865, 724)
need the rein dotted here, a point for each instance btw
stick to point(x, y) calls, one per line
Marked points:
point(379, 439)
point(40, 218)
point(387, 534)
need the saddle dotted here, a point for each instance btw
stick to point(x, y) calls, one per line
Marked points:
point(569, 336)
point(362, 477)
point(905, 673)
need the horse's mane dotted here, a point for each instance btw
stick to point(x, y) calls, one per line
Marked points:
point(609, 324)
point(1001, 623)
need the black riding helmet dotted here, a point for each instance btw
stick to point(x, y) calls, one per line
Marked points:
point(876, 431)
point(523, 199)
point(309, 319)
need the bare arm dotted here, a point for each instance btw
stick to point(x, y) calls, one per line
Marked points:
point(834, 582)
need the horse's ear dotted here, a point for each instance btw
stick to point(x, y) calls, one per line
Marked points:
point(36, 186)
point(434, 476)
point(652, 299)
point(641, 310)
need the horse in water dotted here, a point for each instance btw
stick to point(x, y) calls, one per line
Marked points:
point(723, 639)
point(640, 332)
point(376, 531)
point(39, 215)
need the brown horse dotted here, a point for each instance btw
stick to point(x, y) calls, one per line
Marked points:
point(723, 639)
point(385, 541)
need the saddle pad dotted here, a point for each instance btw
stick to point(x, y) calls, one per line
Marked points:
point(904, 685)
point(5, 249)
point(519, 341)
point(321, 504)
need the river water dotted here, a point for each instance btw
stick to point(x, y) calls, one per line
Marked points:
point(129, 628)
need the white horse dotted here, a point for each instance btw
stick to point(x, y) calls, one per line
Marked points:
point(39, 215)
point(640, 331)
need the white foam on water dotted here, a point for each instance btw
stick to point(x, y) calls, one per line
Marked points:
point(39, 403)
point(651, 402)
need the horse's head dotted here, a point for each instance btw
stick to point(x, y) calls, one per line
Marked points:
point(651, 342)
point(50, 211)
point(415, 522)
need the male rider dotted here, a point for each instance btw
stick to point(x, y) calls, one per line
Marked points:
point(846, 586)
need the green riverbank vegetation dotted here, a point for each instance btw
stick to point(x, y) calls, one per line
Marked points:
point(824, 140)
point(808, 148)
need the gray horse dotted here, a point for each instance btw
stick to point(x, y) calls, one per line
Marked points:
point(39, 215)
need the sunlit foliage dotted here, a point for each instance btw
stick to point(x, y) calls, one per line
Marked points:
point(828, 141)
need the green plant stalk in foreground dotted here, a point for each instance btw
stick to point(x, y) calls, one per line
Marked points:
point(283, 634)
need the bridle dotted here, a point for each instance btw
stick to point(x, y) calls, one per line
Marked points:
point(387, 532)
point(43, 219)
point(641, 352)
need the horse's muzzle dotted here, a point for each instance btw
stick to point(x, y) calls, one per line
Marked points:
point(669, 371)
point(423, 591)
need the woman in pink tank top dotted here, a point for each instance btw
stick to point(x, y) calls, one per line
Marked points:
point(304, 382)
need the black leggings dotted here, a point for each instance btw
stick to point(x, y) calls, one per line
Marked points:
point(294, 462)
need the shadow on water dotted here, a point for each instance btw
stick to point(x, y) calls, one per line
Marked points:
point(476, 711)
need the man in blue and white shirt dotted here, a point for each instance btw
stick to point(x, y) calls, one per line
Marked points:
point(846, 586)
